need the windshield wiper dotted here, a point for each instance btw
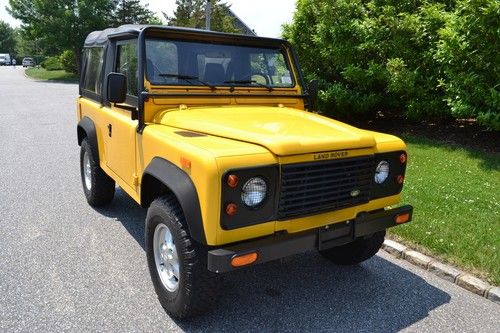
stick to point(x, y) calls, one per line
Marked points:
point(188, 78)
point(249, 82)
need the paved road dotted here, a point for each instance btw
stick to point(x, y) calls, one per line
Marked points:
point(67, 267)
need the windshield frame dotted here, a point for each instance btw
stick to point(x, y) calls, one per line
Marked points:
point(281, 47)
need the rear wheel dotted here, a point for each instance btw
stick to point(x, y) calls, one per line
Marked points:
point(98, 187)
point(356, 252)
point(177, 264)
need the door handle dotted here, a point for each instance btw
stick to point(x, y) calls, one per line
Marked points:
point(110, 130)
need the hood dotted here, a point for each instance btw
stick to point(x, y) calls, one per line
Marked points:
point(284, 131)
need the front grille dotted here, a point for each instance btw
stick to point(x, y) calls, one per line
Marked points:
point(315, 187)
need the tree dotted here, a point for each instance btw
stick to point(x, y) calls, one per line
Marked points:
point(132, 12)
point(63, 24)
point(59, 25)
point(191, 13)
point(7, 38)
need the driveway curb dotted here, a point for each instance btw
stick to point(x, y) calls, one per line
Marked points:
point(446, 272)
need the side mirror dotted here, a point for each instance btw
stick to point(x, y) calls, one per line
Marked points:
point(117, 87)
point(312, 91)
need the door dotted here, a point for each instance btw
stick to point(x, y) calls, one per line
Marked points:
point(121, 129)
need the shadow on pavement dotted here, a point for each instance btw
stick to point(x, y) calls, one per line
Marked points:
point(126, 211)
point(306, 293)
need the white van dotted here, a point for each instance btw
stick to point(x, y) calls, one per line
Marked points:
point(4, 59)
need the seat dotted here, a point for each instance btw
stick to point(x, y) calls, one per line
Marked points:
point(214, 73)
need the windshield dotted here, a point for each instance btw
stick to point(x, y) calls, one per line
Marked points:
point(173, 62)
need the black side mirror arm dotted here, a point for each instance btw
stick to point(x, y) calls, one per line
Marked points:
point(312, 91)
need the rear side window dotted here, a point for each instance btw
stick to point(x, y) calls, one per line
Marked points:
point(93, 68)
point(126, 63)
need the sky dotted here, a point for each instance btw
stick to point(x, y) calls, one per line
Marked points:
point(264, 16)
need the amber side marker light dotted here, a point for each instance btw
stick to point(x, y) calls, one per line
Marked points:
point(402, 218)
point(244, 259)
point(402, 158)
point(232, 181)
point(231, 209)
point(185, 163)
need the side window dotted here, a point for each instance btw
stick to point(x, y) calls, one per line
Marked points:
point(94, 61)
point(126, 63)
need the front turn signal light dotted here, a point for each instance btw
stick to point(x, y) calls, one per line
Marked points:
point(244, 259)
point(400, 179)
point(231, 209)
point(402, 158)
point(232, 181)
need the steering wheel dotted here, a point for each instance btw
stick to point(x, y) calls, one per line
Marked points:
point(249, 77)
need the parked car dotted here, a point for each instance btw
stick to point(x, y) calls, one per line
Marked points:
point(5, 59)
point(27, 62)
point(214, 133)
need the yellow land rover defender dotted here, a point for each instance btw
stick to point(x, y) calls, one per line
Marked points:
point(214, 134)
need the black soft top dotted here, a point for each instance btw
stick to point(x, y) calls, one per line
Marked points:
point(101, 37)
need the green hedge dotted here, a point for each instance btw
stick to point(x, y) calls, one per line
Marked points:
point(424, 59)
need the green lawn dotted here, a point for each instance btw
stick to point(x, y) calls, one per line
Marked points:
point(456, 196)
point(43, 74)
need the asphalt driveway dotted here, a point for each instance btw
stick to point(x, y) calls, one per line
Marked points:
point(67, 267)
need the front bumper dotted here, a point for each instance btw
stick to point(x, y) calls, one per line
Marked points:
point(283, 245)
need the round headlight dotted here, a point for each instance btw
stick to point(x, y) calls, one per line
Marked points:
point(381, 172)
point(254, 191)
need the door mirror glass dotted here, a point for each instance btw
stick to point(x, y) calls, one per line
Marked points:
point(117, 87)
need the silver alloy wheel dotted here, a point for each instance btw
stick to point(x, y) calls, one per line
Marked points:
point(166, 258)
point(87, 171)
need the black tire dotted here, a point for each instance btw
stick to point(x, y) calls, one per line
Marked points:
point(198, 289)
point(356, 252)
point(101, 188)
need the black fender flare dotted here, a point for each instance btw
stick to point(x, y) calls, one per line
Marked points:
point(181, 185)
point(86, 129)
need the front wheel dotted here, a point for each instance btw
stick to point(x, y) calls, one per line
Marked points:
point(356, 252)
point(98, 187)
point(177, 264)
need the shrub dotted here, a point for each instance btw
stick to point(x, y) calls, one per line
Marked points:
point(469, 55)
point(52, 64)
point(68, 61)
point(423, 59)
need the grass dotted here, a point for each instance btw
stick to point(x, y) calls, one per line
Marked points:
point(58, 75)
point(456, 197)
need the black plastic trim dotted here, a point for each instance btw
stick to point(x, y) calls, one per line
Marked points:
point(282, 245)
point(88, 127)
point(389, 187)
point(246, 216)
point(181, 185)
point(234, 95)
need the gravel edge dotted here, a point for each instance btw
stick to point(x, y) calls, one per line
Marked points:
point(444, 271)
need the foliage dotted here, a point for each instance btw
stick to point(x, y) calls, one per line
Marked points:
point(68, 61)
point(469, 54)
point(132, 12)
point(7, 38)
point(191, 13)
point(401, 56)
point(52, 64)
point(59, 25)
